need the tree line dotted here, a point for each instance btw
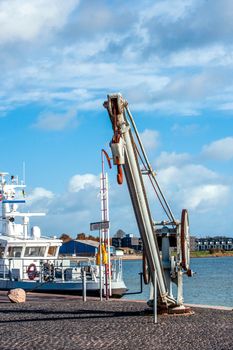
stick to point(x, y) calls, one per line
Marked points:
point(81, 236)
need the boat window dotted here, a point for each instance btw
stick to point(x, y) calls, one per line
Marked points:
point(34, 251)
point(2, 250)
point(14, 252)
point(52, 251)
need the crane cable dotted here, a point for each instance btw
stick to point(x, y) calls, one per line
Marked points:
point(147, 162)
point(153, 185)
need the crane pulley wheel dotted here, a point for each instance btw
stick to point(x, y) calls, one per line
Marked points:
point(185, 240)
point(145, 269)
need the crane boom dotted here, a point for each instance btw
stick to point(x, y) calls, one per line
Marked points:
point(125, 154)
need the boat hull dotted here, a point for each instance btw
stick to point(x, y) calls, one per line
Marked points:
point(63, 287)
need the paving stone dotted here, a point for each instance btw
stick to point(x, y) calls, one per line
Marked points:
point(62, 324)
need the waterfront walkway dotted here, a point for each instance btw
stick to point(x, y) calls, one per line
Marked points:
point(49, 322)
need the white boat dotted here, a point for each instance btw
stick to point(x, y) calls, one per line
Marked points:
point(31, 262)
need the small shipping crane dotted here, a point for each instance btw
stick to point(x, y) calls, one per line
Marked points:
point(159, 266)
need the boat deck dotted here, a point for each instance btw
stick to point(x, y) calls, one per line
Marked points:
point(66, 322)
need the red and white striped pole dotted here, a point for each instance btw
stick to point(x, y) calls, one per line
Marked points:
point(105, 217)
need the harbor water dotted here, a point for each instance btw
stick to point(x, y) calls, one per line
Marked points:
point(212, 283)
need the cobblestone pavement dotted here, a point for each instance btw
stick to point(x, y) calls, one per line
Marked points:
point(69, 323)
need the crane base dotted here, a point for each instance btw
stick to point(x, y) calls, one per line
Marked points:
point(163, 309)
point(180, 310)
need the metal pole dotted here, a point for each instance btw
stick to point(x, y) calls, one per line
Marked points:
point(107, 240)
point(100, 266)
point(41, 270)
point(166, 261)
point(10, 272)
point(84, 285)
point(141, 283)
point(105, 217)
point(155, 298)
point(180, 299)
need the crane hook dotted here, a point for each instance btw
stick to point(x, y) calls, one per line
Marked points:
point(119, 175)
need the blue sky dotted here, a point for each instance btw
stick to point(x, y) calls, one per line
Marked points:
point(172, 61)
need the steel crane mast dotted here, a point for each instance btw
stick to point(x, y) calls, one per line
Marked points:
point(127, 150)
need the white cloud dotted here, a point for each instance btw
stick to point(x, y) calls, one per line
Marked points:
point(194, 88)
point(220, 149)
point(26, 20)
point(185, 129)
point(81, 182)
point(167, 159)
point(165, 12)
point(206, 197)
point(205, 194)
point(71, 59)
point(70, 211)
point(56, 122)
point(39, 194)
point(213, 55)
point(192, 186)
point(195, 187)
point(226, 106)
point(176, 60)
point(150, 138)
point(186, 176)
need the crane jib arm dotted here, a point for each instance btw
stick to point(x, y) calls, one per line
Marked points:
point(125, 155)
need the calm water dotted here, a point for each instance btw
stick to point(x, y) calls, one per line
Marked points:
point(212, 283)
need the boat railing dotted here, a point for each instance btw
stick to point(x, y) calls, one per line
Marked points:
point(54, 269)
point(116, 268)
point(43, 270)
